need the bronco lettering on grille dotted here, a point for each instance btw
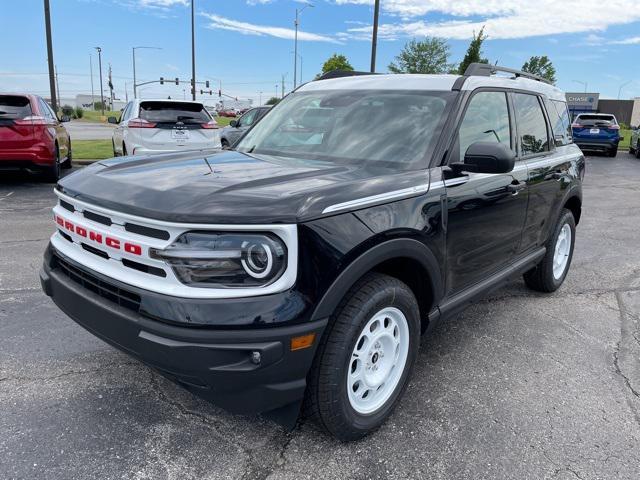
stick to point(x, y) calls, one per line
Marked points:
point(96, 237)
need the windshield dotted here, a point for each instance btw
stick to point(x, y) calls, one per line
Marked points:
point(399, 128)
point(173, 112)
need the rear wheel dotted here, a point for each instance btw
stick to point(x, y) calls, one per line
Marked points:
point(68, 162)
point(613, 152)
point(638, 149)
point(52, 173)
point(365, 360)
point(550, 273)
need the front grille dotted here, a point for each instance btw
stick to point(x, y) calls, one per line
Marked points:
point(106, 290)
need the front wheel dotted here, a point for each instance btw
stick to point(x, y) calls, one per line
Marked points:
point(550, 273)
point(364, 362)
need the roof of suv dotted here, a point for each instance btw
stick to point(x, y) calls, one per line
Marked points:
point(431, 82)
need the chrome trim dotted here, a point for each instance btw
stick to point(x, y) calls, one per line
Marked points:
point(380, 198)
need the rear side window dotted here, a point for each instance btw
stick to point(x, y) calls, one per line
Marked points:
point(14, 107)
point(173, 112)
point(486, 120)
point(560, 121)
point(532, 126)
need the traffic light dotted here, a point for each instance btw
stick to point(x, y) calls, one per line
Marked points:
point(161, 80)
point(177, 81)
point(206, 84)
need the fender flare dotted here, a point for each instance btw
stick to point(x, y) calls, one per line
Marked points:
point(388, 250)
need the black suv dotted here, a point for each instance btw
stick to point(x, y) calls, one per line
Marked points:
point(302, 267)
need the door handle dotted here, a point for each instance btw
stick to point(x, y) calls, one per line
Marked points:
point(515, 188)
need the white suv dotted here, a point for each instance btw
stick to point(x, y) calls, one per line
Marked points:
point(159, 126)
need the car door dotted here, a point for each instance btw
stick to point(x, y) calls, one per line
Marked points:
point(485, 212)
point(57, 130)
point(545, 146)
point(243, 124)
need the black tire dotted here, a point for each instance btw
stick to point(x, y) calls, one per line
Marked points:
point(52, 173)
point(113, 146)
point(613, 152)
point(541, 277)
point(326, 401)
point(638, 149)
point(225, 143)
point(124, 150)
point(68, 163)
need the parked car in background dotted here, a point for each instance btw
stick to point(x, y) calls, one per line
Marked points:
point(227, 113)
point(158, 126)
point(236, 128)
point(597, 132)
point(634, 144)
point(32, 136)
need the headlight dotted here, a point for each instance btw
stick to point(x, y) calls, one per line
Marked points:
point(225, 260)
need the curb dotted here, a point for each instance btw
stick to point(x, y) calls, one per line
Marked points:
point(84, 162)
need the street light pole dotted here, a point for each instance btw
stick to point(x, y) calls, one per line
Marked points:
point(52, 80)
point(100, 72)
point(133, 50)
point(374, 38)
point(622, 86)
point(193, 52)
point(295, 44)
point(582, 83)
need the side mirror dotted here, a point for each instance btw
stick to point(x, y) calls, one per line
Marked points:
point(486, 157)
point(65, 118)
point(113, 120)
point(233, 123)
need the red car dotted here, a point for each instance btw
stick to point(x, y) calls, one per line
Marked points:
point(32, 136)
point(227, 113)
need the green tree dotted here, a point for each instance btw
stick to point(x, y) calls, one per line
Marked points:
point(336, 62)
point(474, 52)
point(272, 101)
point(430, 55)
point(542, 67)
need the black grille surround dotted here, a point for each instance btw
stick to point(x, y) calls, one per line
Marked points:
point(120, 296)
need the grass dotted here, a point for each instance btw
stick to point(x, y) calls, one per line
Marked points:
point(94, 116)
point(223, 121)
point(92, 149)
point(624, 144)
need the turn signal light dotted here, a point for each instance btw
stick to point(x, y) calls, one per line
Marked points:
point(303, 341)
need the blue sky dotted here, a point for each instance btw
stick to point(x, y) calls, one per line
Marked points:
point(247, 44)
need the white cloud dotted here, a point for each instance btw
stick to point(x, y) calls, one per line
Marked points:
point(628, 41)
point(258, 2)
point(162, 3)
point(503, 19)
point(223, 23)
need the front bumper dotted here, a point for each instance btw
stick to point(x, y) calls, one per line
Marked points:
point(218, 365)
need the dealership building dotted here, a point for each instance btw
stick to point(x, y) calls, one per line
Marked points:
point(626, 111)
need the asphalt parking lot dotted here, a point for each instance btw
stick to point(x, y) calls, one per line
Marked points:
point(520, 386)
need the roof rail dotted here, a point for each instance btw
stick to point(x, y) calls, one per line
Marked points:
point(342, 73)
point(486, 70)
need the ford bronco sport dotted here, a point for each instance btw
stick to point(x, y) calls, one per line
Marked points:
point(301, 268)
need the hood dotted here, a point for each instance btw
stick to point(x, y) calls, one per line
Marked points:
point(227, 187)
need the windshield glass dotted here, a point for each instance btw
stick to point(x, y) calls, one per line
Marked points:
point(399, 128)
point(173, 112)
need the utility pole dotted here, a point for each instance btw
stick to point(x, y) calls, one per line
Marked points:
point(260, 101)
point(374, 38)
point(110, 85)
point(282, 87)
point(193, 51)
point(57, 86)
point(100, 72)
point(52, 83)
point(93, 102)
point(295, 45)
point(133, 51)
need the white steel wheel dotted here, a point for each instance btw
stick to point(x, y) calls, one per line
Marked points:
point(378, 360)
point(562, 252)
